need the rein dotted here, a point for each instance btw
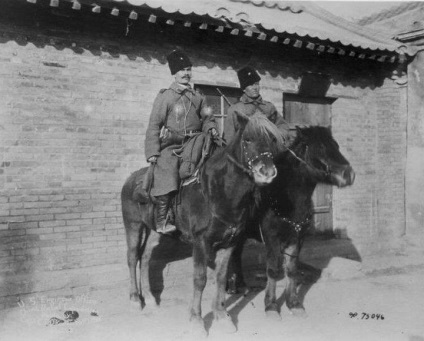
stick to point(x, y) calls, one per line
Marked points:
point(245, 169)
point(326, 172)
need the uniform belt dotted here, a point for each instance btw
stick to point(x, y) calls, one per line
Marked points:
point(190, 133)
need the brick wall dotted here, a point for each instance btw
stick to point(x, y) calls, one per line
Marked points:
point(72, 127)
point(415, 161)
point(371, 129)
point(73, 115)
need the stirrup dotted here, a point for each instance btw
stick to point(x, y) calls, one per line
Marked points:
point(166, 228)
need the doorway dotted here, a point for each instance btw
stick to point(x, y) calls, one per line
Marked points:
point(311, 111)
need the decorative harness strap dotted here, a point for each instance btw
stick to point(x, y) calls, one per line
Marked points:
point(239, 165)
point(297, 227)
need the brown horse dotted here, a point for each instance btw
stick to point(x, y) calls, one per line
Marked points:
point(285, 211)
point(211, 215)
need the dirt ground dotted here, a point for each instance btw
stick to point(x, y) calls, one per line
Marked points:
point(382, 305)
point(360, 298)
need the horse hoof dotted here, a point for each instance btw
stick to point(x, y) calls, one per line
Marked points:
point(149, 301)
point(298, 312)
point(224, 325)
point(134, 298)
point(136, 305)
point(273, 315)
point(135, 301)
point(197, 329)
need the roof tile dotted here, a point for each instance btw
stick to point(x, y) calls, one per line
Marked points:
point(304, 19)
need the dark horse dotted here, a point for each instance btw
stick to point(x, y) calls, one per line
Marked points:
point(285, 211)
point(211, 215)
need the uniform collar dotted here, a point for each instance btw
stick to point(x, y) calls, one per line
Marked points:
point(246, 99)
point(181, 89)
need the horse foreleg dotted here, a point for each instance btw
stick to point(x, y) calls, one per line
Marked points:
point(152, 240)
point(235, 279)
point(200, 261)
point(291, 254)
point(272, 271)
point(222, 318)
point(133, 234)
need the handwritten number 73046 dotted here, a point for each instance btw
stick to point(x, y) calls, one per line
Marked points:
point(366, 316)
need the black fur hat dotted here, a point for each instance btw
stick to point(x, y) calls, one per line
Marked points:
point(177, 61)
point(247, 76)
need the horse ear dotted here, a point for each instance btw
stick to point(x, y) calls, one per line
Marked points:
point(299, 130)
point(242, 119)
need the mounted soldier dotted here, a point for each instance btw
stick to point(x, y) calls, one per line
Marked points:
point(178, 114)
point(250, 102)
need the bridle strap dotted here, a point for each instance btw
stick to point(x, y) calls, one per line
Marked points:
point(248, 170)
point(239, 165)
point(326, 173)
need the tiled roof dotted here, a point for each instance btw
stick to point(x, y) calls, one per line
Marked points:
point(308, 19)
point(391, 12)
point(398, 20)
point(302, 19)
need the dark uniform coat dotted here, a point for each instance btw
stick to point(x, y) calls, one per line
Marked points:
point(183, 111)
point(249, 106)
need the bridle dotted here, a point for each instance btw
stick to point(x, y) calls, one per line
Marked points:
point(248, 159)
point(325, 173)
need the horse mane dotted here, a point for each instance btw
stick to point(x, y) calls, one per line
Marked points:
point(305, 135)
point(260, 128)
point(311, 133)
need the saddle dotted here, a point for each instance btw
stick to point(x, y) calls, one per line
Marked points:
point(143, 180)
point(189, 169)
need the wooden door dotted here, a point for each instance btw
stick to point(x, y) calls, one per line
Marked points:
point(308, 111)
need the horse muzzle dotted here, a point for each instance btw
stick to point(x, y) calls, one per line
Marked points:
point(264, 171)
point(345, 178)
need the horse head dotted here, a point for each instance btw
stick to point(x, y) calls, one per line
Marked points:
point(257, 140)
point(316, 148)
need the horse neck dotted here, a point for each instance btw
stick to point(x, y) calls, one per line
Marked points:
point(226, 188)
point(294, 186)
point(215, 166)
point(234, 148)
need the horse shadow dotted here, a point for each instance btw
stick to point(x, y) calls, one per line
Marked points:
point(169, 250)
point(316, 256)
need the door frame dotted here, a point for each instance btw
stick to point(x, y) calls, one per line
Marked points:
point(325, 189)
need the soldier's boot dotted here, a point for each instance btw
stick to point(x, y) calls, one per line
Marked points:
point(162, 206)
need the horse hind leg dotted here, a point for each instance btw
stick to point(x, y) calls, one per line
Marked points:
point(133, 235)
point(293, 301)
point(150, 242)
point(200, 261)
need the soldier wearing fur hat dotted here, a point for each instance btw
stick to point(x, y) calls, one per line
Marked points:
point(178, 113)
point(250, 102)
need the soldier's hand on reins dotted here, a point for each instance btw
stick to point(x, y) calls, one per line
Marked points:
point(214, 132)
point(153, 159)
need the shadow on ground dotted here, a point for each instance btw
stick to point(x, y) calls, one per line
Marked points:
point(320, 258)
